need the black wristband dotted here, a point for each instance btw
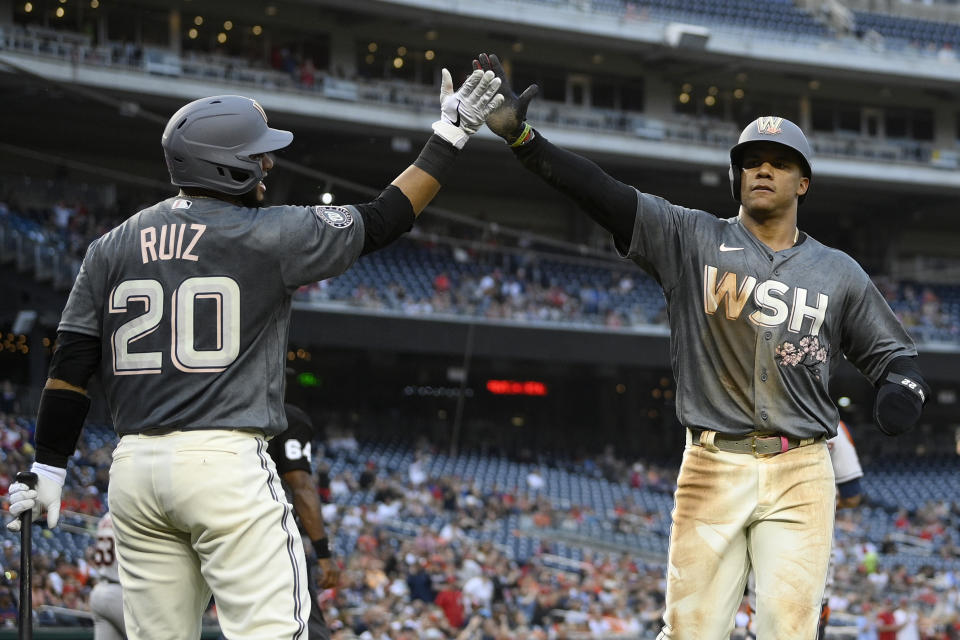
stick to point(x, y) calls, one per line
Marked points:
point(321, 547)
point(59, 423)
point(437, 157)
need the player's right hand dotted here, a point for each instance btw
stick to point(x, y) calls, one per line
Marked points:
point(46, 496)
point(507, 121)
point(330, 573)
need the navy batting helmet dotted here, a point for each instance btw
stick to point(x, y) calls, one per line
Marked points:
point(769, 129)
point(209, 143)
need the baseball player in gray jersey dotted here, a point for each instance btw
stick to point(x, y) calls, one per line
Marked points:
point(756, 310)
point(183, 311)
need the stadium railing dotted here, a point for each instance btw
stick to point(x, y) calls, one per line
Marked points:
point(77, 49)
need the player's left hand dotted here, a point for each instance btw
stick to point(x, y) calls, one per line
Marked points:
point(464, 112)
point(508, 120)
point(46, 495)
point(897, 409)
point(330, 573)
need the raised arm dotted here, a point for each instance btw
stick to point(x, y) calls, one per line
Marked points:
point(611, 203)
point(462, 113)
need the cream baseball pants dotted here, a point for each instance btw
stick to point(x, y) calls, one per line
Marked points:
point(734, 512)
point(200, 512)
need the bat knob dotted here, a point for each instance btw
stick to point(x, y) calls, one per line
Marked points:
point(28, 478)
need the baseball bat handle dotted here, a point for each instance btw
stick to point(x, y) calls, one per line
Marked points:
point(25, 621)
point(28, 478)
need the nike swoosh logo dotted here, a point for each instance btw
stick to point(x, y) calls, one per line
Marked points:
point(457, 123)
point(724, 247)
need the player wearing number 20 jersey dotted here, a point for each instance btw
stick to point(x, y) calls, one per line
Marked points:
point(176, 295)
point(183, 311)
point(190, 300)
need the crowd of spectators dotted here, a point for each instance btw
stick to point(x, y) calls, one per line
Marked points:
point(920, 310)
point(519, 294)
point(405, 580)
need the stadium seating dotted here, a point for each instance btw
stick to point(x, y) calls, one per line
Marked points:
point(891, 484)
point(400, 279)
point(909, 31)
point(601, 533)
point(781, 16)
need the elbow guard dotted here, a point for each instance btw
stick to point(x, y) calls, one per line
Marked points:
point(900, 397)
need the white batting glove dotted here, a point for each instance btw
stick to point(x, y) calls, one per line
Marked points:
point(464, 112)
point(46, 496)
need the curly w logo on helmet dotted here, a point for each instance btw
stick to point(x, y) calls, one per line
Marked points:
point(769, 125)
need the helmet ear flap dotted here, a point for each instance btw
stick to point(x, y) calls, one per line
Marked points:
point(735, 177)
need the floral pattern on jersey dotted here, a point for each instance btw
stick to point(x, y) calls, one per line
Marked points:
point(809, 353)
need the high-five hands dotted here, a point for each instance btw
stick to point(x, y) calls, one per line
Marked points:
point(508, 119)
point(463, 113)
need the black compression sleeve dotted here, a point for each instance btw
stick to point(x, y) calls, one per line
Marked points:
point(59, 423)
point(385, 219)
point(76, 358)
point(611, 203)
point(437, 157)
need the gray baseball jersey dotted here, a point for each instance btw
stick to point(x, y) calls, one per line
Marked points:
point(191, 301)
point(752, 331)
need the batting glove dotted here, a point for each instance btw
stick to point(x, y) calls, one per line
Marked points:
point(509, 120)
point(47, 495)
point(463, 113)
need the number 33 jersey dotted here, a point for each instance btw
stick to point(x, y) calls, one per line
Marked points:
point(104, 551)
point(191, 301)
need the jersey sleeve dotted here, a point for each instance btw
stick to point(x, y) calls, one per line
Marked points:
point(313, 243)
point(82, 311)
point(871, 334)
point(660, 232)
point(290, 450)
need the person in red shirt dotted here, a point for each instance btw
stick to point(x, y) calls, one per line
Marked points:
point(451, 601)
point(442, 282)
point(886, 624)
